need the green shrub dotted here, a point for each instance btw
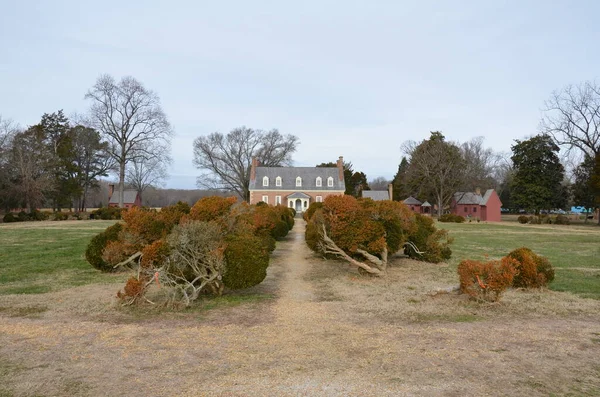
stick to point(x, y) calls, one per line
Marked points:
point(246, 261)
point(107, 213)
point(93, 253)
point(432, 242)
point(60, 216)
point(533, 271)
point(280, 230)
point(523, 219)
point(452, 218)
point(36, 215)
point(535, 220)
point(562, 220)
point(23, 216)
point(9, 218)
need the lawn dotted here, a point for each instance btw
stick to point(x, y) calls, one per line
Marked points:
point(574, 251)
point(40, 257)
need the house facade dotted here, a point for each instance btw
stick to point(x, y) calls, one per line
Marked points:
point(131, 198)
point(486, 207)
point(295, 187)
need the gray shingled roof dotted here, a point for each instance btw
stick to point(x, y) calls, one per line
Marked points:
point(298, 195)
point(486, 196)
point(467, 198)
point(426, 204)
point(377, 195)
point(289, 174)
point(412, 201)
point(128, 197)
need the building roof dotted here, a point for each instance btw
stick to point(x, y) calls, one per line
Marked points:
point(467, 198)
point(426, 204)
point(298, 195)
point(377, 195)
point(412, 201)
point(486, 196)
point(129, 196)
point(289, 174)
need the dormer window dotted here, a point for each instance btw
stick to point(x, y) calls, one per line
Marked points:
point(319, 181)
point(298, 182)
point(330, 182)
point(278, 181)
point(266, 181)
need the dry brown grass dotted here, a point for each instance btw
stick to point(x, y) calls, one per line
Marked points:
point(328, 331)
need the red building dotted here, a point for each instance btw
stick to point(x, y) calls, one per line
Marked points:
point(474, 205)
point(295, 187)
point(131, 198)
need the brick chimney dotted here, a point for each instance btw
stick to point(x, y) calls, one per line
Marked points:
point(478, 191)
point(391, 191)
point(340, 167)
point(111, 190)
point(253, 168)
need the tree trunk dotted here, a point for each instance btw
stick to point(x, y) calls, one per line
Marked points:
point(121, 182)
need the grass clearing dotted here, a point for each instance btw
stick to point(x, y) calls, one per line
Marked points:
point(572, 250)
point(41, 257)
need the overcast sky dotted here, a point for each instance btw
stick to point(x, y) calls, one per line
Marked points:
point(349, 78)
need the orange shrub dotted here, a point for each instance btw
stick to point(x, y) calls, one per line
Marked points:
point(154, 254)
point(134, 288)
point(486, 280)
point(533, 271)
point(116, 252)
point(212, 208)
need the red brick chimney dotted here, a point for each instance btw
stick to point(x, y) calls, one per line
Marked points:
point(340, 167)
point(111, 190)
point(391, 191)
point(253, 168)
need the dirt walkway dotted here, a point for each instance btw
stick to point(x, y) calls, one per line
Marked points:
point(294, 345)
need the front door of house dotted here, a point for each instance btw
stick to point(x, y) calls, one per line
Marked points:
point(298, 205)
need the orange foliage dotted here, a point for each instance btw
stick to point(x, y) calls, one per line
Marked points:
point(134, 288)
point(533, 271)
point(486, 280)
point(117, 251)
point(153, 254)
point(212, 208)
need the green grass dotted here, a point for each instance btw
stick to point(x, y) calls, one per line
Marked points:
point(42, 257)
point(574, 251)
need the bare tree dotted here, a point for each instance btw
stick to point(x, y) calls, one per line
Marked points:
point(379, 183)
point(146, 171)
point(130, 118)
point(572, 117)
point(436, 167)
point(227, 158)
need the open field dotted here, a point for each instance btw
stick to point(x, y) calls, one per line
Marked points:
point(313, 327)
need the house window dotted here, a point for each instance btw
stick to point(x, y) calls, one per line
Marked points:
point(474, 209)
point(265, 199)
point(298, 182)
point(278, 181)
point(466, 210)
point(330, 182)
point(305, 204)
point(277, 200)
point(266, 181)
point(319, 199)
point(319, 181)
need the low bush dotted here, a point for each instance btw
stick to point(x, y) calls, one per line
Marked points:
point(60, 216)
point(486, 280)
point(533, 271)
point(562, 220)
point(23, 216)
point(523, 219)
point(93, 253)
point(10, 218)
point(311, 210)
point(246, 260)
point(435, 244)
point(453, 218)
point(106, 213)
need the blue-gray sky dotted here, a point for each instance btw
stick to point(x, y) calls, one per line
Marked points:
point(351, 78)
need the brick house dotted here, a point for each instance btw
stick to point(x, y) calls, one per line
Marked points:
point(131, 198)
point(486, 207)
point(413, 204)
point(379, 195)
point(295, 187)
